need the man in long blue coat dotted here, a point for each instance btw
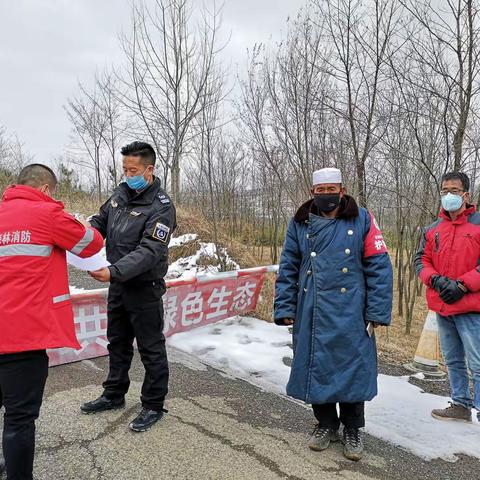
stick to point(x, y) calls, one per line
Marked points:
point(334, 286)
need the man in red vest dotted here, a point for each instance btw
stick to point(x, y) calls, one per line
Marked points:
point(36, 313)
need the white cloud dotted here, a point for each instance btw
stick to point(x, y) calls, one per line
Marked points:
point(46, 46)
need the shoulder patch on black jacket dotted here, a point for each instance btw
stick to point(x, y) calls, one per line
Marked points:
point(161, 232)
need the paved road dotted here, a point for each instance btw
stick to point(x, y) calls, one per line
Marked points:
point(217, 428)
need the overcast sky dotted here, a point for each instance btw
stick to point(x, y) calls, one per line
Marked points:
point(47, 46)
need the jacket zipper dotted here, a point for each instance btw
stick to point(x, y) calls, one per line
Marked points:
point(115, 219)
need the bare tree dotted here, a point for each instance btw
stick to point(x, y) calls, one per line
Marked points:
point(115, 122)
point(446, 44)
point(360, 34)
point(170, 62)
point(90, 124)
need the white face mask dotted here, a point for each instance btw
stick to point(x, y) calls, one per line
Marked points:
point(451, 202)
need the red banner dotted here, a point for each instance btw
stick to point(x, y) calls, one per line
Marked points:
point(187, 304)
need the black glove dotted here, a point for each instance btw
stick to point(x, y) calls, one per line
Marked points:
point(453, 291)
point(439, 283)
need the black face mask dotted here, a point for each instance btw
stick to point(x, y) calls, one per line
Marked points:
point(327, 203)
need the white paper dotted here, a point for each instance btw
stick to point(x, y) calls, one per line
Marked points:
point(90, 264)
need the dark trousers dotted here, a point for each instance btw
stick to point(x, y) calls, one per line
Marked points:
point(22, 382)
point(352, 415)
point(137, 312)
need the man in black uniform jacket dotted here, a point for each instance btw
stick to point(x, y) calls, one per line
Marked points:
point(137, 222)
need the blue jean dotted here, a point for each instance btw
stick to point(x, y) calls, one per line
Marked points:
point(460, 343)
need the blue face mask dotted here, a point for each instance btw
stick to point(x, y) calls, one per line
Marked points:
point(452, 203)
point(137, 182)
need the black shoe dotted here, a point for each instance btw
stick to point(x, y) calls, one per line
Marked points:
point(353, 443)
point(101, 404)
point(2, 465)
point(321, 438)
point(145, 419)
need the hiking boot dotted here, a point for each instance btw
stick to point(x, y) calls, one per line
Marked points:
point(101, 404)
point(455, 413)
point(321, 438)
point(353, 443)
point(145, 419)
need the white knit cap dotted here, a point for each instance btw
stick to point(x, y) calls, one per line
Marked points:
point(327, 175)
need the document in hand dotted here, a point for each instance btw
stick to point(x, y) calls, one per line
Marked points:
point(96, 262)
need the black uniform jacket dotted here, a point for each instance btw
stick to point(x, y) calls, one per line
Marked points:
point(137, 228)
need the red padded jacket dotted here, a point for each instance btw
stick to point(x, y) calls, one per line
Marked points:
point(452, 248)
point(35, 231)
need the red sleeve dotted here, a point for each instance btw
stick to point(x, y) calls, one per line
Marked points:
point(471, 279)
point(374, 243)
point(69, 234)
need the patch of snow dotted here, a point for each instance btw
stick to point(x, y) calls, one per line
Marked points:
point(245, 347)
point(182, 240)
point(255, 351)
point(76, 290)
point(186, 267)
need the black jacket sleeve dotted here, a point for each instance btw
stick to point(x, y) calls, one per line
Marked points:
point(154, 244)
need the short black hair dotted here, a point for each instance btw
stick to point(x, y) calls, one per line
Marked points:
point(35, 175)
point(140, 149)
point(463, 177)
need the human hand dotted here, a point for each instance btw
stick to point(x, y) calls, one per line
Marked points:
point(102, 275)
point(452, 291)
point(439, 282)
point(288, 321)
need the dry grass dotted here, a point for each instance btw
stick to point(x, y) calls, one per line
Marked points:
point(190, 221)
point(183, 251)
point(80, 203)
point(393, 343)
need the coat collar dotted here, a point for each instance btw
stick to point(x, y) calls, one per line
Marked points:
point(462, 218)
point(348, 210)
point(145, 197)
point(25, 192)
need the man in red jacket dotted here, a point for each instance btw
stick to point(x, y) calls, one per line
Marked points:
point(36, 313)
point(448, 263)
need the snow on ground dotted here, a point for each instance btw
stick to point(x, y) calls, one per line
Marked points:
point(244, 347)
point(255, 351)
point(187, 267)
point(77, 290)
point(182, 240)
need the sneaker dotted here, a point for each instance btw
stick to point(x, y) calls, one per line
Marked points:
point(321, 438)
point(455, 413)
point(101, 404)
point(145, 419)
point(353, 443)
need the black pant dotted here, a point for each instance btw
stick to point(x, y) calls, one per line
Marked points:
point(137, 312)
point(22, 381)
point(352, 415)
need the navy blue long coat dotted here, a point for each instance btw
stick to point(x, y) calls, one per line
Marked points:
point(335, 275)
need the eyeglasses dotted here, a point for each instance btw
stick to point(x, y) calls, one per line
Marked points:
point(453, 192)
